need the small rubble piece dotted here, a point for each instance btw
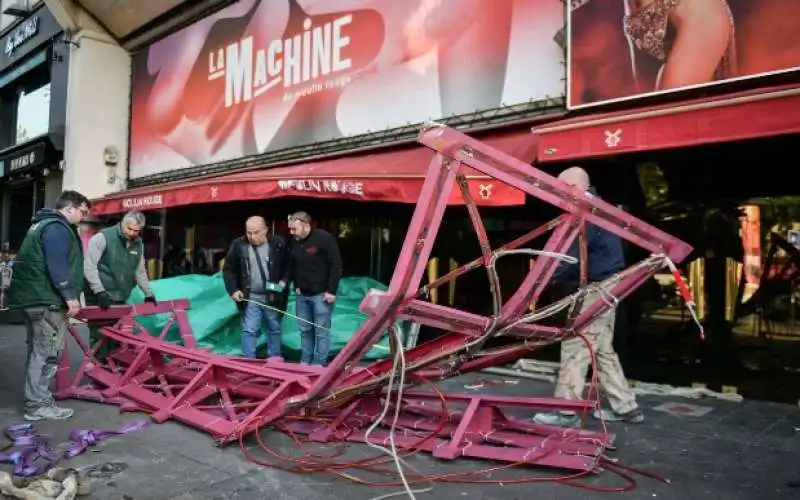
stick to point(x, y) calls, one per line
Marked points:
point(648, 389)
point(106, 471)
point(58, 484)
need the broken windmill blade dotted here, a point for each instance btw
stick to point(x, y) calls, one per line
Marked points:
point(231, 397)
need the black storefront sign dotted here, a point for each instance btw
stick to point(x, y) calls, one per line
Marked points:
point(21, 35)
point(27, 36)
point(32, 156)
point(29, 44)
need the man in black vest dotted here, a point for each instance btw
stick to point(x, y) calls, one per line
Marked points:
point(48, 279)
point(256, 272)
point(114, 265)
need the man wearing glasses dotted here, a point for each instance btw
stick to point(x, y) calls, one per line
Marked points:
point(316, 270)
point(48, 278)
point(114, 265)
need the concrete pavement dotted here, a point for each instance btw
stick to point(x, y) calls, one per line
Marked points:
point(736, 451)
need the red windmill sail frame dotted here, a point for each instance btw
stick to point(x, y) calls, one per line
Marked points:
point(232, 397)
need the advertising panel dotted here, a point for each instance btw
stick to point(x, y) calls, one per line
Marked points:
point(624, 49)
point(264, 75)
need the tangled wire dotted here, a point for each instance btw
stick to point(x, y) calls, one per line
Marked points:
point(334, 463)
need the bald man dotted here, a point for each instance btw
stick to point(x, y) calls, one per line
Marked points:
point(605, 258)
point(256, 273)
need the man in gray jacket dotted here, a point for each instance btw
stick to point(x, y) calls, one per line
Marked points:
point(114, 264)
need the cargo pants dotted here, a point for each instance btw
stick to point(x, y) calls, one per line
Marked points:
point(576, 358)
point(47, 333)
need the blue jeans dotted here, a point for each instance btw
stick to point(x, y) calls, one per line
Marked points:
point(315, 342)
point(251, 328)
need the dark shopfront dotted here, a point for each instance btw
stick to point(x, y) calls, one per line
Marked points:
point(365, 199)
point(33, 86)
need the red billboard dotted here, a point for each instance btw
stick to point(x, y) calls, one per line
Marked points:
point(624, 49)
point(265, 75)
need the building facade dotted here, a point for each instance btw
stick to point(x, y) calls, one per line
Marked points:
point(34, 64)
point(295, 100)
point(261, 84)
point(699, 104)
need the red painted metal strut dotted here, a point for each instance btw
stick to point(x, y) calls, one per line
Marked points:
point(232, 397)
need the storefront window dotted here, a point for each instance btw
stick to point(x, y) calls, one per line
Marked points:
point(33, 113)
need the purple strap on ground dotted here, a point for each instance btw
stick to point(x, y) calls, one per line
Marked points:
point(82, 439)
point(32, 455)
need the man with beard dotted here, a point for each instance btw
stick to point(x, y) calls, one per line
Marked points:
point(316, 270)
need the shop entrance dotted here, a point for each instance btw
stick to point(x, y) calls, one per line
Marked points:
point(369, 234)
point(24, 200)
point(737, 208)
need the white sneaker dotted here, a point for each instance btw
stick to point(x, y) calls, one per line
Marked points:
point(49, 413)
point(632, 417)
point(557, 419)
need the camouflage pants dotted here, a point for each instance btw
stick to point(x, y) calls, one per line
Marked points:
point(47, 330)
point(576, 358)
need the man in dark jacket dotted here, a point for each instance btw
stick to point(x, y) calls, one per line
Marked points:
point(114, 265)
point(604, 259)
point(256, 274)
point(48, 279)
point(316, 271)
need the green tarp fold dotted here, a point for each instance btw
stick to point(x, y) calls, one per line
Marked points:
point(216, 323)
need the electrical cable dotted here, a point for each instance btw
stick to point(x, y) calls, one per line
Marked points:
point(369, 465)
point(310, 466)
point(264, 305)
point(315, 462)
point(400, 360)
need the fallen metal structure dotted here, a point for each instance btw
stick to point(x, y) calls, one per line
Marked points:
point(230, 398)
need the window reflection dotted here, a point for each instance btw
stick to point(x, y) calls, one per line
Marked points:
point(33, 113)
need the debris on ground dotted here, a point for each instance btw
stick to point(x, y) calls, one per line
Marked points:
point(106, 471)
point(648, 389)
point(58, 484)
point(484, 382)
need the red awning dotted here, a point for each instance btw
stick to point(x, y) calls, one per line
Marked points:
point(746, 115)
point(389, 176)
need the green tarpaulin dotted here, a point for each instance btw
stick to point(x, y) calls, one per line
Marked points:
point(216, 322)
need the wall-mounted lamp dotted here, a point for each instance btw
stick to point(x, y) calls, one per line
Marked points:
point(111, 160)
point(67, 39)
